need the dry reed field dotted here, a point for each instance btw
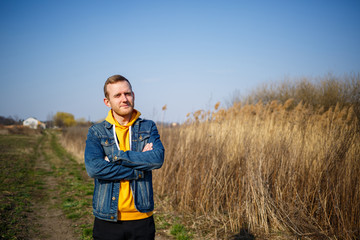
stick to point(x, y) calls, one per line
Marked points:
point(73, 140)
point(279, 169)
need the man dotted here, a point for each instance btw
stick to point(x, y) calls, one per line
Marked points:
point(120, 153)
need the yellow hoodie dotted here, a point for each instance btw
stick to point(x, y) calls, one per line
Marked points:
point(126, 205)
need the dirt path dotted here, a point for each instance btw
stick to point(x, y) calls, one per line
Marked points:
point(48, 220)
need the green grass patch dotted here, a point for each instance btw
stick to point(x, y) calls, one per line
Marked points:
point(180, 232)
point(161, 222)
point(86, 231)
point(74, 216)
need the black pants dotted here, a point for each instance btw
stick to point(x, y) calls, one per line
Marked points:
point(143, 229)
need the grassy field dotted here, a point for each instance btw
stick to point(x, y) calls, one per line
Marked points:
point(40, 180)
point(285, 172)
point(16, 177)
point(24, 186)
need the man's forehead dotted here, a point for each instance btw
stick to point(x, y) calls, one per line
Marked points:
point(119, 86)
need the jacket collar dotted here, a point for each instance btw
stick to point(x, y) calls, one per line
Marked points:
point(109, 125)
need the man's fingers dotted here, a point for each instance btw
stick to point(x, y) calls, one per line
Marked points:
point(148, 147)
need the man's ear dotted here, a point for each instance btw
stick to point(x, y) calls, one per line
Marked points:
point(107, 102)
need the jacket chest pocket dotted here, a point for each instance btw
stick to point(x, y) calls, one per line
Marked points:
point(109, 146)
point(143, 139)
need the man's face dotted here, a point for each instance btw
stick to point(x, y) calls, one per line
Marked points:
point(120, 99)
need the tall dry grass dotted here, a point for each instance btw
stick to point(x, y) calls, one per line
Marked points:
point(73, 139)
point(280, 170)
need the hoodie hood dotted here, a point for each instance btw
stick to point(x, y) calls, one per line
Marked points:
point(110, 119)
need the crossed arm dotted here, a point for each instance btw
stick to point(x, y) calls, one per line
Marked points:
point(127, 165)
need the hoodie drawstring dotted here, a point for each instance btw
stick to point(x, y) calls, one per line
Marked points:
point(115, 137)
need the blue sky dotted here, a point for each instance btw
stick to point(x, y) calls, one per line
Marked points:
point(56, 55)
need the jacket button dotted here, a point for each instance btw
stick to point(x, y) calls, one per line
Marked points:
point(140, 176)
point(140, 137)
point(112, 217)
point(113, 198)
point(115, 157)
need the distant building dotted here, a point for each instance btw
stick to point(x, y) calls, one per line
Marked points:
point(34, 123)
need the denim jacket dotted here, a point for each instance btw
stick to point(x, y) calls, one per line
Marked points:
point(133, 165)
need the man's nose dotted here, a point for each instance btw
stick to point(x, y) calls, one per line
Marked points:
point(123, 98)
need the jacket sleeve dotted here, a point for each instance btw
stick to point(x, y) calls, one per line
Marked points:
point(144, 161)
point(97, 167)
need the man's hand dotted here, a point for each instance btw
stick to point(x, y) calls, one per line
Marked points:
point(148, 147)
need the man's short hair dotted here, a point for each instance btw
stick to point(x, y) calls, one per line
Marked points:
point(114, 79)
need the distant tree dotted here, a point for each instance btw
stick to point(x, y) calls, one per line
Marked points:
point(7, 121)
point(82, 122)
point(63, 119)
